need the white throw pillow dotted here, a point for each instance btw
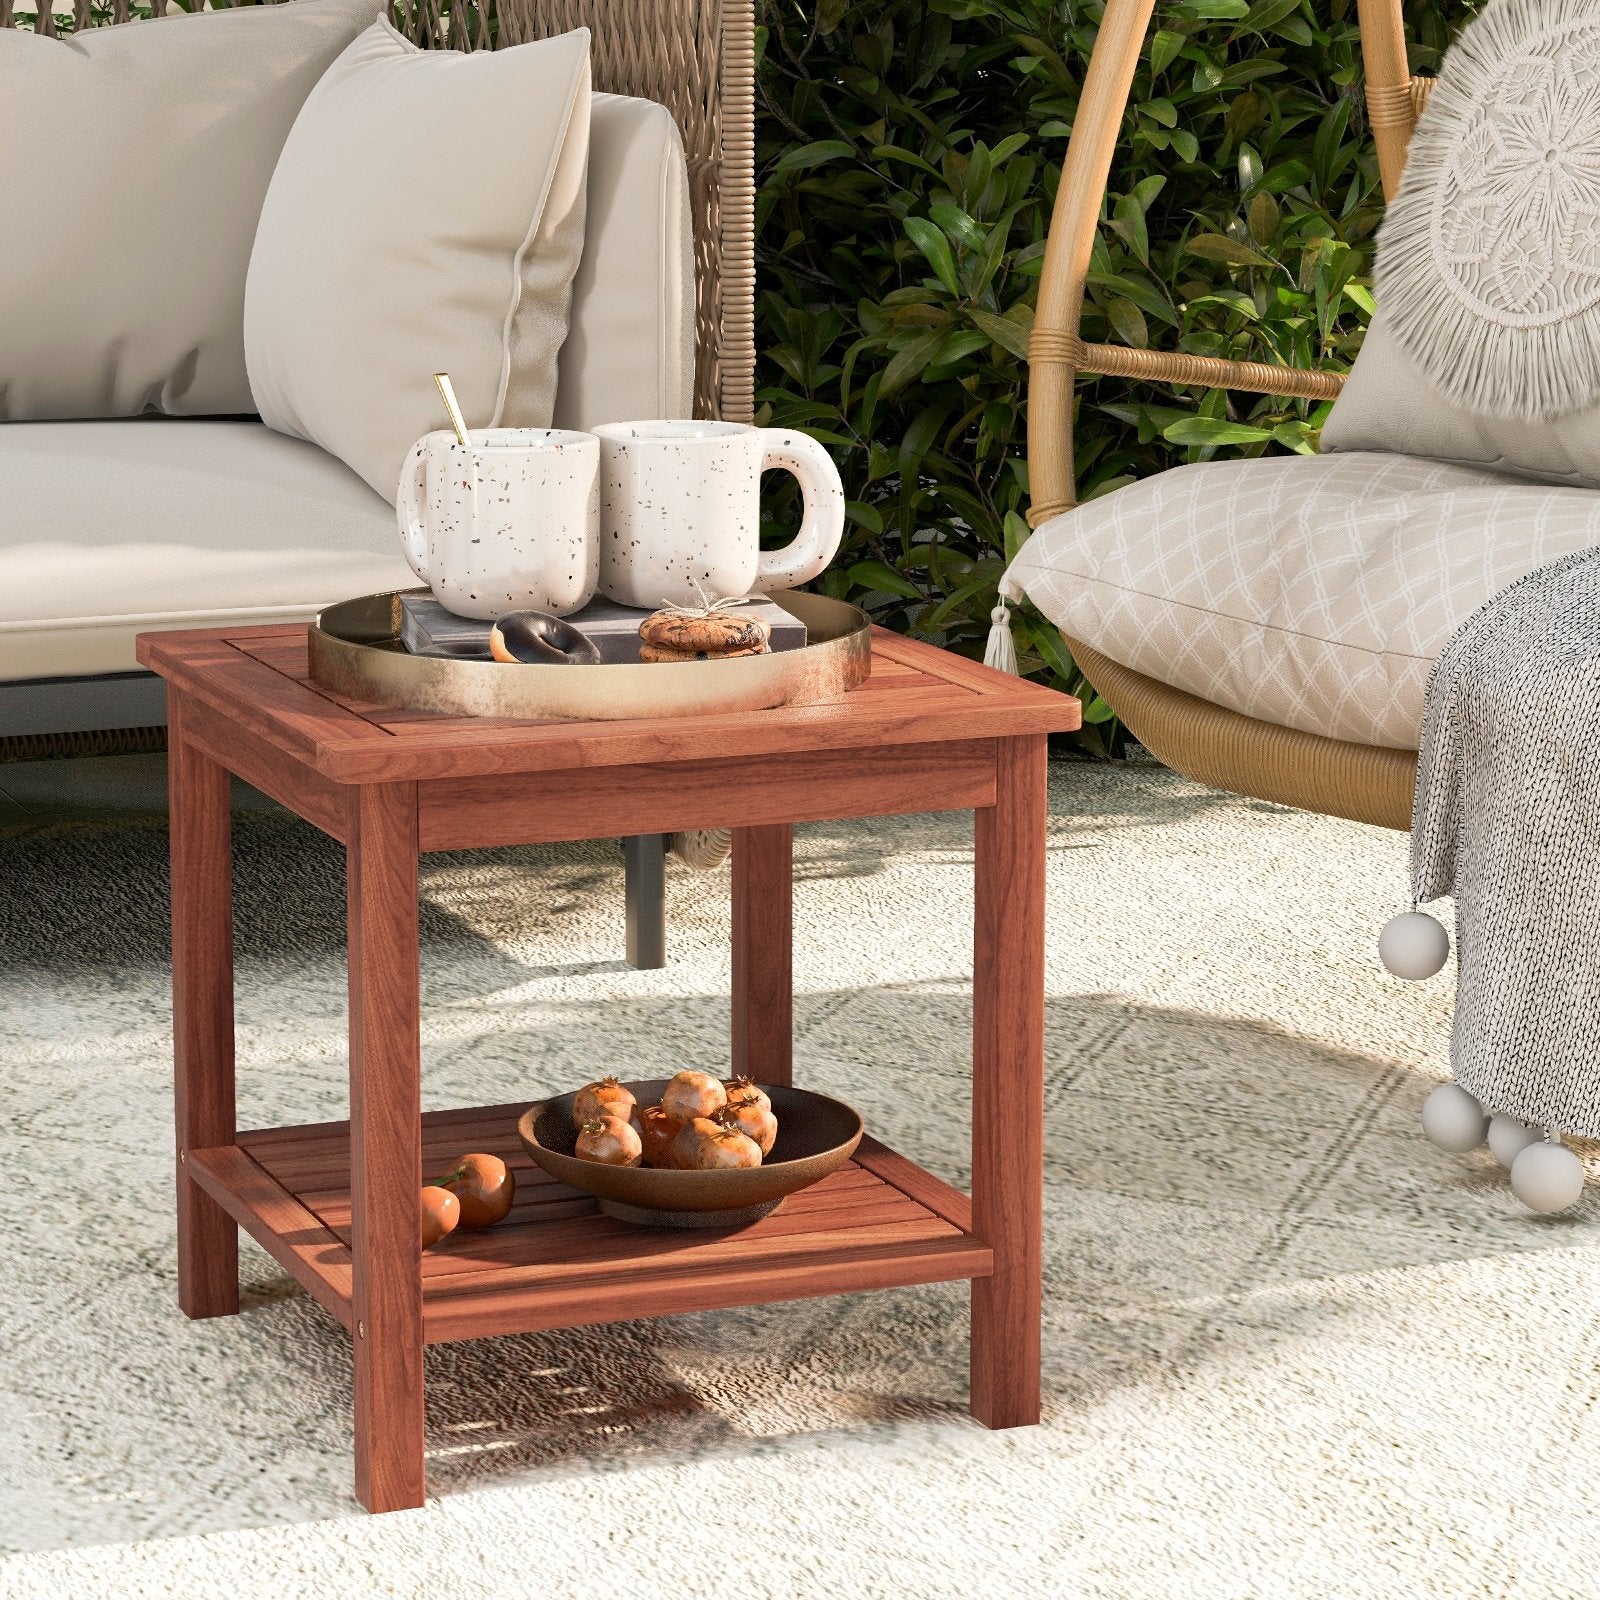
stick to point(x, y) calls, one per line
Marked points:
point(1390, 403)
point(1308, 591)
point(133, 163)
point(426, 216)
point(630, 348)
point(1486, 348)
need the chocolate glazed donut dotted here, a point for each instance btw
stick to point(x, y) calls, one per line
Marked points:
point(540, 640)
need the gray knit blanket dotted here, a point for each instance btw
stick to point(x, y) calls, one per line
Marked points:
point(1507, 819)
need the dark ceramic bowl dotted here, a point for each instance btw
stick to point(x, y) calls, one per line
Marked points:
point(816, 1136)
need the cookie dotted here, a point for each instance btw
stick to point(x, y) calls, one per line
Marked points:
point(656, 652)
point(709, 633)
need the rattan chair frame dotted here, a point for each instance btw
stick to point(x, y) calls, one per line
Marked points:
point(1204, 741)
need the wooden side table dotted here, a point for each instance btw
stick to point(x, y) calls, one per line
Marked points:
point(336, 1203)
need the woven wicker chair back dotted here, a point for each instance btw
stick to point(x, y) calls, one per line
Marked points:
point(697, 57)
point(1206, 742)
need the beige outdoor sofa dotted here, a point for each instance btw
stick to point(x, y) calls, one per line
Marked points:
point(110, 528)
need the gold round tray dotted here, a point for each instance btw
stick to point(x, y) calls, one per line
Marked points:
point(356, 651)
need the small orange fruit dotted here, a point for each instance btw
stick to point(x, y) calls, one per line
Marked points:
point(603, 1098)
point(656, 1132)
point(703, 1145)
point(610, 1141)
point(693, 1094)
point(752, 1119)
point(748, 1090)
point(484, 1186)
point(441, 1211)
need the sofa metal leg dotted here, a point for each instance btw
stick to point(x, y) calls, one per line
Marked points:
point(645, 870)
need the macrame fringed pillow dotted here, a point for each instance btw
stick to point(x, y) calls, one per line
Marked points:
point(1486, 348)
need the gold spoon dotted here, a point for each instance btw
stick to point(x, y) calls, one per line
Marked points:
point(447, 391)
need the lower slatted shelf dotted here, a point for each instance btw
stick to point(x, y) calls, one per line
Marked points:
point(558, 1261)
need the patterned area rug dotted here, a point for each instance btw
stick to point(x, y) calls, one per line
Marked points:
point(1290, 1349)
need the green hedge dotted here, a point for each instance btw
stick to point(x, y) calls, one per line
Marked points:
point(908, 157)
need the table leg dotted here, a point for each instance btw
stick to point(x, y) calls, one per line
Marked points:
point(202, 1015)
point(763, 953)
point(386, 1145)
point(1008, 1086)
point(645, 891)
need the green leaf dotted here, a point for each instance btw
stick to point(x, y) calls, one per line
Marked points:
point(1218, 247)
point(1010, 331)
point(864, 515)
point(1185, 145)
point(1129, 322)
point(930, 240)
point(881, 579)
point(1164, 47)
point(953, 602)
point(910, 361)
point(1264, 219)
point(1214, 430)
point(1017, 532)
point(1360, 296)
point(814, 155)
point(957, 225)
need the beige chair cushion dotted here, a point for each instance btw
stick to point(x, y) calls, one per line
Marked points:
point(630, 349)
point(1308, 591)
point(117, 527)
point(426, 215)
point(133, 164)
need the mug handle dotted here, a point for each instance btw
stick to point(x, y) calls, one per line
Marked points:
point(822, 523)
point(408, 511)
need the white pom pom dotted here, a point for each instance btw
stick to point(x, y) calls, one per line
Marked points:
point(1508, 1138)
point(1453, 1119)
point(1413, 945)
point(1547, 1177)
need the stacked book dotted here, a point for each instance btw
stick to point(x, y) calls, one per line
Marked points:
point(427, 629)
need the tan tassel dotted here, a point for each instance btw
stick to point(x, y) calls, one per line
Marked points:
point(1001, 653)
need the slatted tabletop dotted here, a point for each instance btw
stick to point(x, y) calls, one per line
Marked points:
point(259, 680)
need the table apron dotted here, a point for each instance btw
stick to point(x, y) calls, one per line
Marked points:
point(731, 792)
point(275, 773)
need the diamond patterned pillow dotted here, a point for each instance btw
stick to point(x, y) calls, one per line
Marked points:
point(1308, 591)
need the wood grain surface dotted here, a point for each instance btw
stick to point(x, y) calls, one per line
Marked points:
point(763, 953)
point(1008, 1088)
point(385, 1145)
point(558, 1261)
point(916, 694)
point(202, 1015)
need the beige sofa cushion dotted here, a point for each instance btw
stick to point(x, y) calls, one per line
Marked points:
point(426, 215)
point(133, 164)
point(630, 348)
point(117, 527)
point(1309, 591)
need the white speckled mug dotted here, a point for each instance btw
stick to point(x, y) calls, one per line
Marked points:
point(511, 524)
point(680, 506)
